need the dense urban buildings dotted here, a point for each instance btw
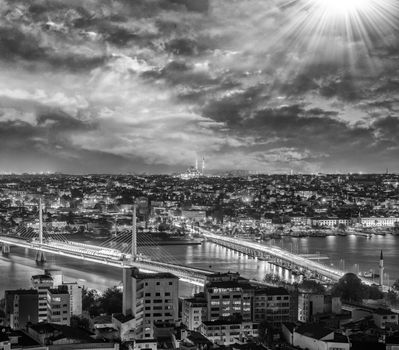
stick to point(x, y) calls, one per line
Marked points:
point(229, 310)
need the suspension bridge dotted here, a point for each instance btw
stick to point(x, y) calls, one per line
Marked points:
point(120, 251)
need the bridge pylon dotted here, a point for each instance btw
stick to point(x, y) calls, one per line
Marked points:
point(5, 249)
point(40, 256)
point(134, 232)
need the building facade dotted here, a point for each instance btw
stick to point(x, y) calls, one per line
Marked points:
point(42, 283)
point(58, 306)
point(21, 307)
point(151, 298)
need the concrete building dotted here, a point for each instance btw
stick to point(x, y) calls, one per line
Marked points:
point(310, 304)
point(314, 337)
point(379, 222)
point(228, 295)
point(56, 275)
point(21, 307)
point(194, 311)
point(384, 318)
point(150, 298)
point(226, 332)
point(75, 294)
point(42, 283)
point(272, 305)
point(58, 306)
point(126, 326)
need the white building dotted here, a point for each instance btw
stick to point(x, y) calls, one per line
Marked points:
point(75, 294)
point(150, 298)
point(379, 222)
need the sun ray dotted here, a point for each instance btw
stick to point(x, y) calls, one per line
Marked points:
point(340, 31)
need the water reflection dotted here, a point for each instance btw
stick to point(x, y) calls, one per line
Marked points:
point(356, 253)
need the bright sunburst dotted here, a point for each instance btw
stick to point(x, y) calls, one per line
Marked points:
point(340, 30)
point(345, 7)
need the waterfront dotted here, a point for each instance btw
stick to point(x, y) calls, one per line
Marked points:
point(16, 269)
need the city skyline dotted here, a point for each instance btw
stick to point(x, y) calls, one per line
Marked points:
point(267, 86)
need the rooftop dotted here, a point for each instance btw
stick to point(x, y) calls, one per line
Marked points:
point(159, 275)
point(229, 284)
point(22, 291)
point(123, 318)
point(313, 330)
point(272, 291)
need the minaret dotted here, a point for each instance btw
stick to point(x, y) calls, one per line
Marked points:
point(381, 269)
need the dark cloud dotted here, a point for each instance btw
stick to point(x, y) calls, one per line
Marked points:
point(248, 83)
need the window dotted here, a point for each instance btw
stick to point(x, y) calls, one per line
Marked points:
point(170, 283)
point(147, 294)
point(158, 283)
point(158, 294)
point(167, 294)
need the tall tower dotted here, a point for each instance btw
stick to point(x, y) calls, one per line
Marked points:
point(203, 165)
point(381, 265)
point(196, 164)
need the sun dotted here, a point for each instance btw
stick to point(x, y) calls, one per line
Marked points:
point(345, 7)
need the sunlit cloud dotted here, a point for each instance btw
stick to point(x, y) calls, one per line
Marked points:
point(150, 85)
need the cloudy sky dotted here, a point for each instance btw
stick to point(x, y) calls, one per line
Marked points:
point(149, 85)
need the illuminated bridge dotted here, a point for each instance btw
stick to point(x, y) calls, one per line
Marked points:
point(281, 257)
point(121, 252)
point(118, 252)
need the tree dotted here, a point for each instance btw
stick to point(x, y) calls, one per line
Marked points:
point(111, 301)
point(392, 298)
point(312, 286)
point(349, 288)
point(80, 322)
point(271, 278)
point(90, 301)
point(395, 285)
point(373, 292)
point(265, 331)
